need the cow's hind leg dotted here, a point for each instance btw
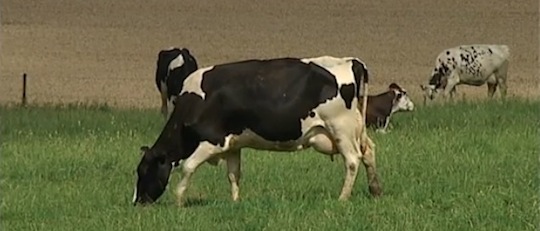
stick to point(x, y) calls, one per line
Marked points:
point(501, 76)
point(345, 131)
point(204, 151)
point(368, 158)
point(164, 102)
point(234, 172)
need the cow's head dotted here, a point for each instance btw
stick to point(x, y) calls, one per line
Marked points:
point(437, 82)
point(153, 174)
point(401, 102)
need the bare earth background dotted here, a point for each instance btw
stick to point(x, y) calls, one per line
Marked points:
point(105, 50)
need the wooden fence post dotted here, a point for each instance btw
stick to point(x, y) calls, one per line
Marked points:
point(24, 90)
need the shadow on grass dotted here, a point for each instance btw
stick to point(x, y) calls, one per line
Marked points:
point(188, 203)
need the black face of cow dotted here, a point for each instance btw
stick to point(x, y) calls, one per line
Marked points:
point(153, 176)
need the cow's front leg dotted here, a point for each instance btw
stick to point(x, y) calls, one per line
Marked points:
point(204, 151)
point(234, 173)
point(385, 128)
point(449, 89)
point(164, 102)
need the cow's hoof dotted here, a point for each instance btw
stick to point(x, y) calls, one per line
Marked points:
point(375, 190)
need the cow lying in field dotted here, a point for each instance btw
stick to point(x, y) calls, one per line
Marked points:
point(382, 106)
point(471, 65)
point(282, 104)
point(173, 66)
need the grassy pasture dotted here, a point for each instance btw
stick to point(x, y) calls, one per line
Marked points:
point(466, 166)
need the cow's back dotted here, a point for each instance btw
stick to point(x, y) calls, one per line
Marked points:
point(473, 62)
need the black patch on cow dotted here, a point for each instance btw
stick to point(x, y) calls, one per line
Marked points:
point(447, 52)
point(360, 76)
point(347, 93)
point(269, 97)
point(490, 51)
point(436, 78)
point(443, 69)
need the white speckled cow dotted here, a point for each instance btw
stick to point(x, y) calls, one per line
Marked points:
point(471, 65)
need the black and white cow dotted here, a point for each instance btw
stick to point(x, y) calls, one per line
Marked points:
point(173, 66)
point(382, 106)
point(471, 65)
point(282, 104)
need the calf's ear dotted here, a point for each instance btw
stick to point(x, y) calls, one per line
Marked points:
point(394, 86)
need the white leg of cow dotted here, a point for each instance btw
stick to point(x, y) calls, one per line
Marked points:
point(345, 130)
point(502, 88)
point(501, 75)
point(234, 173)
point(451, 83)
point(384, 128)
point(368, 159)
point(351, 162)
point(204, 151)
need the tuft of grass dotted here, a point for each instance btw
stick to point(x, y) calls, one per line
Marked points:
point(461, 166)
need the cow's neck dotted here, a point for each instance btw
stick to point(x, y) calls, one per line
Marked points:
point(176, 141)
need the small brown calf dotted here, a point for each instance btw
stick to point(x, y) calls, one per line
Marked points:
point(382, 106)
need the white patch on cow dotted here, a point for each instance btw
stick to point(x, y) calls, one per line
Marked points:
point(177, 62)
point(134, 194)
point(341, 67)
point(328, 61)
point(193, 82)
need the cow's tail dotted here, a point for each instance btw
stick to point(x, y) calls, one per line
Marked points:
point(366, 144)
point(364, 82)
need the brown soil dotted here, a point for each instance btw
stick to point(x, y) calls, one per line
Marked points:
point(105, 51)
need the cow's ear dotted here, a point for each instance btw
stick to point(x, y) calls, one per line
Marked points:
point(144, 149)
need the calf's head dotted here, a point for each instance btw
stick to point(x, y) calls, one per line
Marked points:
point(153, 174)
point(401, 102)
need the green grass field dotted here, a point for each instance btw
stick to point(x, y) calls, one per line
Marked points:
point(468, 166)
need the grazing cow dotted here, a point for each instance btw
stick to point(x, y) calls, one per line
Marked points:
point(471, 65)
point(173, 66)
point(282, 104)
point(382, 106)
